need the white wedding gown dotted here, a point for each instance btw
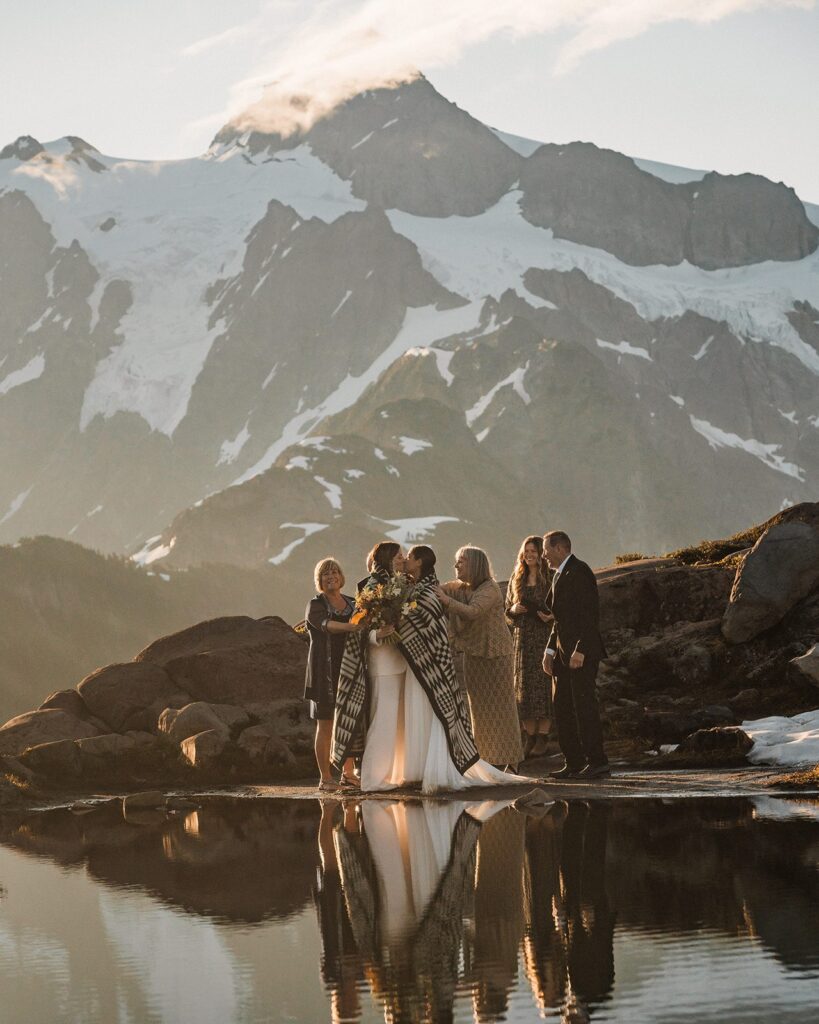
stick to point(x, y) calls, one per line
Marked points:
point(406, 743)
point(411, 847)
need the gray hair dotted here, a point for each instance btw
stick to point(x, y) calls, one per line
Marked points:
point(478, 566)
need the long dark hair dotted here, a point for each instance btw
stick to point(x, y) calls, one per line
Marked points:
point(426, 556)
point(520, 572)
point(382, 555)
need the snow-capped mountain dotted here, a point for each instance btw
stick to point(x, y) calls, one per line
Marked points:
point(400, 321)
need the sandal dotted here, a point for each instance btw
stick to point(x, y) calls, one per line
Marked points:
point(349, 782)
point(328, 786)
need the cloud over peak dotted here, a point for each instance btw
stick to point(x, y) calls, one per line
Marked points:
point(310, 63)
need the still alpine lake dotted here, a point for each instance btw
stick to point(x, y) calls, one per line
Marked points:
point(246, 910)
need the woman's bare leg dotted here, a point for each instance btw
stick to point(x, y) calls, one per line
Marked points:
point(324, 734)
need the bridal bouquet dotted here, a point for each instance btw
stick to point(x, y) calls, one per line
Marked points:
point(384, 604)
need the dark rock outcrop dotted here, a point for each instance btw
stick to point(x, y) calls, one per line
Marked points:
point(406, 148)
point(671, 670)
point(731, 740)
point(601, 198)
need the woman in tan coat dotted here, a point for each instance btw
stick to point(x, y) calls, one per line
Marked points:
point(476, 614)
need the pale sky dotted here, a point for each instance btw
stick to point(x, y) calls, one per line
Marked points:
point(153, 79)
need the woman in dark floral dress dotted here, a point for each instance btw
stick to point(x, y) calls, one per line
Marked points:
point(527, 611)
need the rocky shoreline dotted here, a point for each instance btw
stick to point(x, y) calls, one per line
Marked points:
point(699, 642)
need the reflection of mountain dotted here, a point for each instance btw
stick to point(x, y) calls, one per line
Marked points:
point(405, 323)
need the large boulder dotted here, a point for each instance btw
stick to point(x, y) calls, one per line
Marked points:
point(36, 727)
point(114, 745)
point(116, 693)
point(200, 716)
point(254, 742)
point(781, 569)
point(234, 660)
point(263, 746)
point(66, 700)
point(204, 748)
point(59, 759)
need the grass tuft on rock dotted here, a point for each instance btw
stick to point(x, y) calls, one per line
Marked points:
point(709, 552)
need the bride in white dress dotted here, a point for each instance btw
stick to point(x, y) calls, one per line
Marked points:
point(419, 729)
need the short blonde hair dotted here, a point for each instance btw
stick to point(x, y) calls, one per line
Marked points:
point(324, 566)
point(478, 567)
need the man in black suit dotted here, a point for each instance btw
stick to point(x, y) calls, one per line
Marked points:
point(573, 653)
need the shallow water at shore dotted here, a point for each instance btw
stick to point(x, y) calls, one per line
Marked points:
point(290, 910)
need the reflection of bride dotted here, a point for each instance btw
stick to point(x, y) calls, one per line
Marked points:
point(419, 729)
point(406, 900)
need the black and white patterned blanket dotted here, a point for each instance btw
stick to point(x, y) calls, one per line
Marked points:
point(424, 642)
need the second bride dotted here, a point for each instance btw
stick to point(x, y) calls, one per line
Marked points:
point(405, 694)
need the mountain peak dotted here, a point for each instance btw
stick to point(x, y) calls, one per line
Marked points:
point(25, 147)
point(282, 120)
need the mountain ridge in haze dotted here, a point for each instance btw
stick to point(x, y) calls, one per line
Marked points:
point(396, 322)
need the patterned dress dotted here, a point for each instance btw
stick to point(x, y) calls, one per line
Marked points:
point(480, 633)
point(533, 690)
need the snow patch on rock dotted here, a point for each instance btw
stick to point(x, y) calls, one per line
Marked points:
point(515, 380)
point(308, 529)
point(411, 445)
point(624, 348)
point(31, 371)
point(230, 450)
point(415, 529)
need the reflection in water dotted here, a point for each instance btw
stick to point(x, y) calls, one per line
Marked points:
point(497, 920)
point(570, 926)
point(422, 912)
point(421, 883)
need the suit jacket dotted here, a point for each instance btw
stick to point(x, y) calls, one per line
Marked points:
point(576, 609)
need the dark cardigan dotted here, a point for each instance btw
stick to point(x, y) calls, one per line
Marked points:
point(320, 681)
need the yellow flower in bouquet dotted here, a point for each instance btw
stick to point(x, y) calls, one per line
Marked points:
point(383, 604)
